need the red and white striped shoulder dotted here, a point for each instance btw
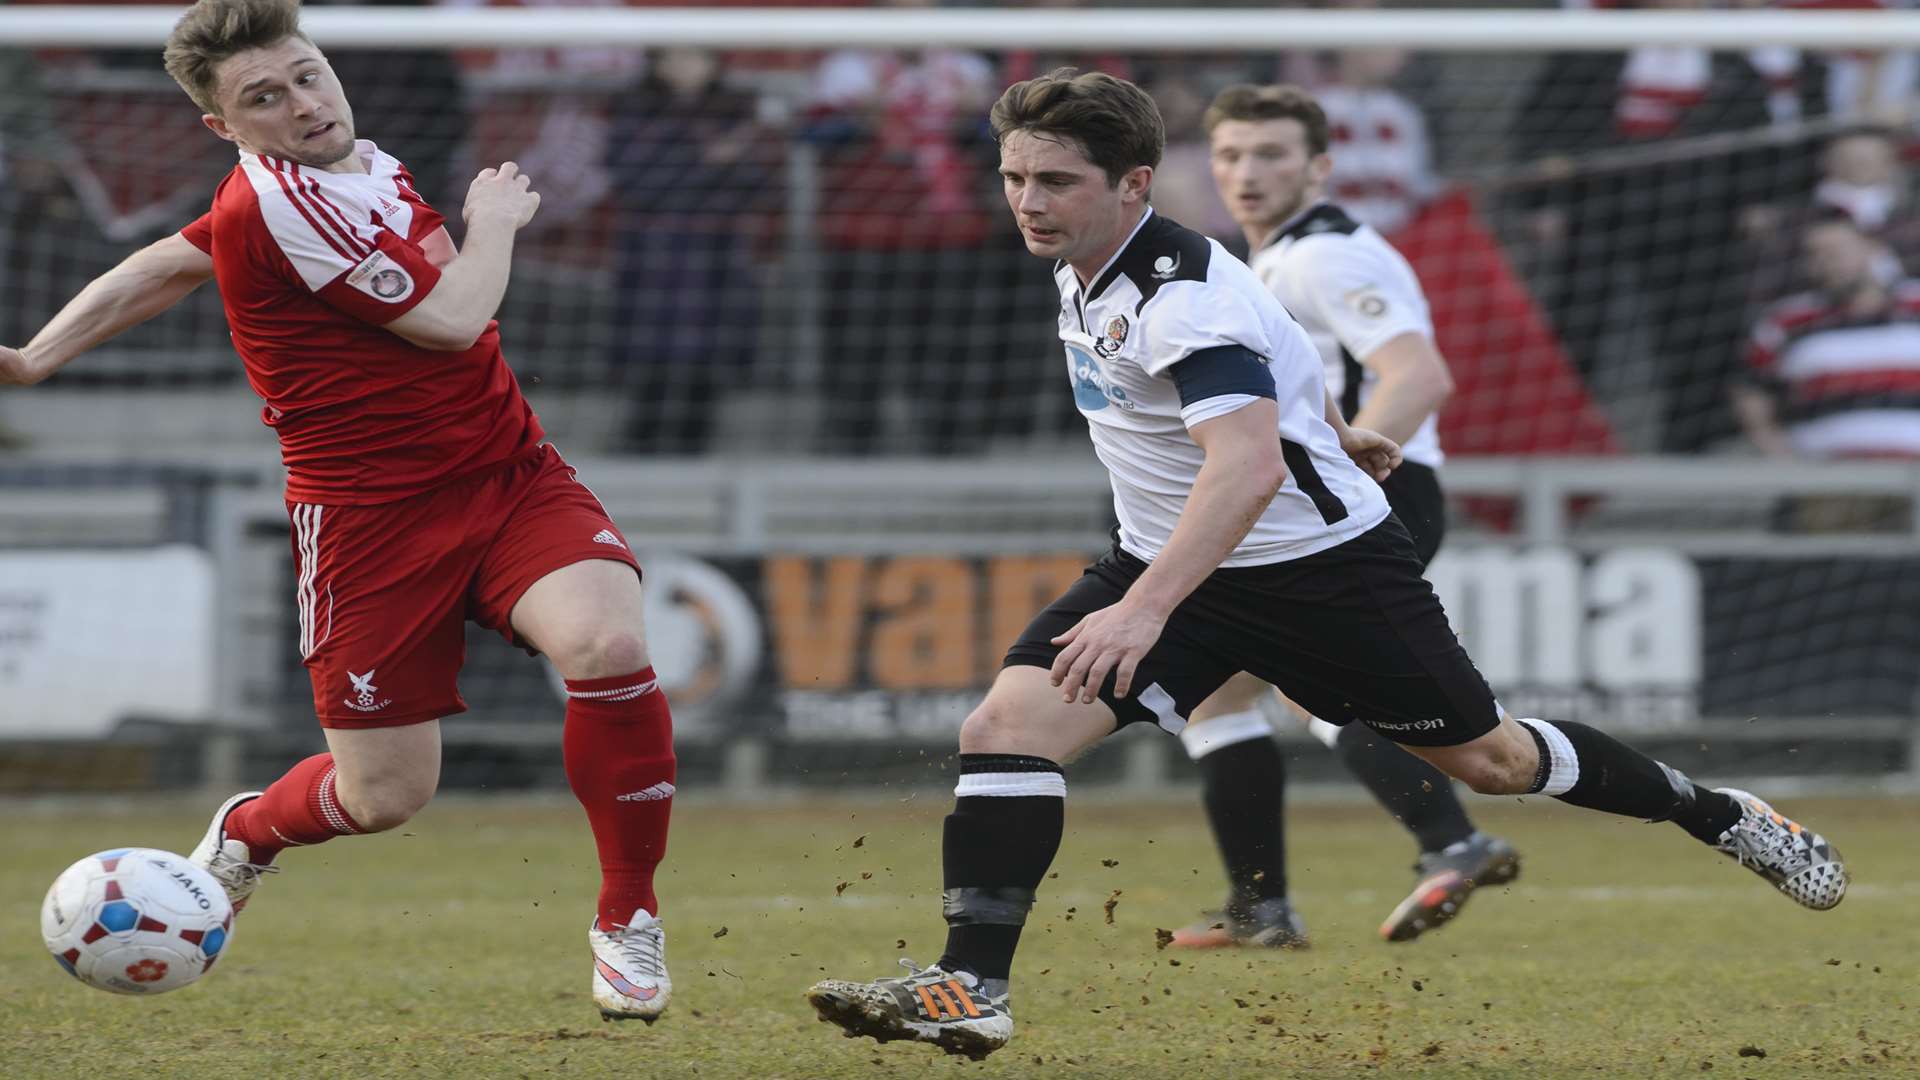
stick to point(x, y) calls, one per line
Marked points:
point(315, 217)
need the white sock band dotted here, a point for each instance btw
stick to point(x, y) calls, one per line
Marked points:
point(1325, 732)
point(1012, 783)
point(1563, 767)
point(1203, 737)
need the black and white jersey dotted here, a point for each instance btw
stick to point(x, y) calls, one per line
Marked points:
point(1174, 331)
point(1353, 293)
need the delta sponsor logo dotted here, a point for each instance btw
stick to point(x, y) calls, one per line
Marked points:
point(1092, 389)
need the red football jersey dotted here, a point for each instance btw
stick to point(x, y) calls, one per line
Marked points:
point(311, 266)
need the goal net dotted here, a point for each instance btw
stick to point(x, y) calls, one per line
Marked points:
point(780, 235)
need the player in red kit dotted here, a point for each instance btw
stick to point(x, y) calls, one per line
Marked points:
point(419, 488)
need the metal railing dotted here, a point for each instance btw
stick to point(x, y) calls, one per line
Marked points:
point(977, 507)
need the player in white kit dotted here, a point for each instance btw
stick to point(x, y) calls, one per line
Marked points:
point(1252, 537)
point(1362, 305)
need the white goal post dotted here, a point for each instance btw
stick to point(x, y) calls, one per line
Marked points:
point(1195, 29)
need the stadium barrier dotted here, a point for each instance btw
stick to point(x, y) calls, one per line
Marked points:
point(805, 609)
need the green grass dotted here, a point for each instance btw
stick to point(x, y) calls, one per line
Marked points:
point(456, 948)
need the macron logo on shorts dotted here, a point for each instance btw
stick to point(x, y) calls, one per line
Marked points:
point(657, 792)
point(605, 536)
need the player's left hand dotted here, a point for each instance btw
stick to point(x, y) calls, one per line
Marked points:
point(1113, 639)
point(1376, 454)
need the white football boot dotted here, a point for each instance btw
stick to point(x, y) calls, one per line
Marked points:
point(228, 860)
point(945, 1008)
point(1797, 860)
point(630, 969)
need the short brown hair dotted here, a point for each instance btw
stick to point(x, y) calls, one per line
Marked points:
point(1245, 101)
point(213, 30)
point(1115, 124)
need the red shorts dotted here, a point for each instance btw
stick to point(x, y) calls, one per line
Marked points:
point(384, 591)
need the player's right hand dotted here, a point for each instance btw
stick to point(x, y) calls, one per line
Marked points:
point(503, 192)
point(1113, 639)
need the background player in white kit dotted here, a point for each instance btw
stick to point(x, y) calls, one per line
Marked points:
point(1247, 541)
point(1362, 305)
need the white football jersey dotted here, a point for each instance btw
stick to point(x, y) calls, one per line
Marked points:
point(1353, 293)
point(1168, 293)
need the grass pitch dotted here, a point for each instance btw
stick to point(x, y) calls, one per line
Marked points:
point(456, 948)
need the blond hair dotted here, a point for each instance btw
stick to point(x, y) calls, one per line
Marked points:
point(213, 30)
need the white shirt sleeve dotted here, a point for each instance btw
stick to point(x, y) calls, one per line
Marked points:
point(1186, 316)
point(1211, 407)
point(1365, 295)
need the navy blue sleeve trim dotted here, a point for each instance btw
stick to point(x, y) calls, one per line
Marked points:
point(1222, 370)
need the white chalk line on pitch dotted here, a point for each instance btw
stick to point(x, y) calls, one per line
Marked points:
point(853, 898)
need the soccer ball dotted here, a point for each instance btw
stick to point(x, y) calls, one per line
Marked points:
point(136, 921)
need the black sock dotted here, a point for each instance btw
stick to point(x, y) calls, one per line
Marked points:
point(1244, 787)
point(1706, 814)
point(1005, 827)
point(1421, 796)
point(1586, 767)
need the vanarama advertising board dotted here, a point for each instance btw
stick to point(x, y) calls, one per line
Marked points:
point(900, 647)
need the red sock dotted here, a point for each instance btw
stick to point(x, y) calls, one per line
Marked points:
point(300, 808)
point(618, 749)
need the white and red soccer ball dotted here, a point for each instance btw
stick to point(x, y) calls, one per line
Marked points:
point(136, 921)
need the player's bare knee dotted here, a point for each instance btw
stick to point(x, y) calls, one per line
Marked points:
point(1239, 694)
point(991, 728)
point(601, 654)
point(387, 802)
point(1493, 771)
point(385, 809)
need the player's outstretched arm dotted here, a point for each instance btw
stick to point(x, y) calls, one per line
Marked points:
point(146, 283)
point(468, 293)
point(1243, 470)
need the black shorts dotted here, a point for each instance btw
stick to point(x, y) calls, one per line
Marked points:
point(1350, 633)
point(1413, 491)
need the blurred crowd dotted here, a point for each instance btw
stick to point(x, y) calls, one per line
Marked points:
point(1717, 244)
